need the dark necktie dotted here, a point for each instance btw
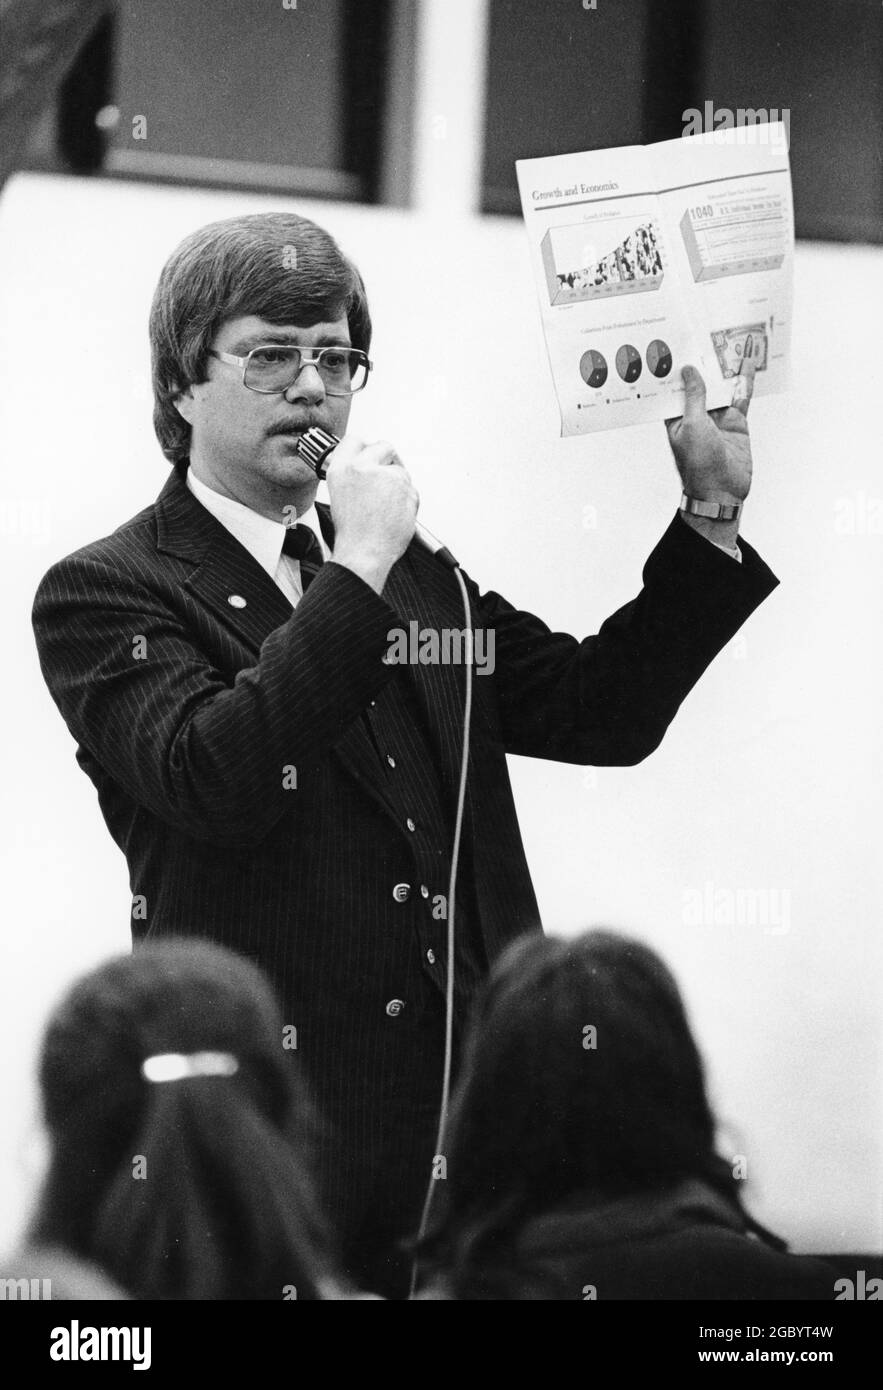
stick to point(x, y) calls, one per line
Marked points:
point(302, 545)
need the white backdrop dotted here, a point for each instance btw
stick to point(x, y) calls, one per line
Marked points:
point(765, 791)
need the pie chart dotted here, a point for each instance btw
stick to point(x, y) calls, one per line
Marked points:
point(628, 362)
point(593, 368)
point(659, 357)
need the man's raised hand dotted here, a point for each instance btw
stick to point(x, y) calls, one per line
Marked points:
point(712, 448)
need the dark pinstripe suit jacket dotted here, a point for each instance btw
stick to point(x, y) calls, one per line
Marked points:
point(186, 744)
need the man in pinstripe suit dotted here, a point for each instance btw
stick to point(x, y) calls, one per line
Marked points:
point(274, 784)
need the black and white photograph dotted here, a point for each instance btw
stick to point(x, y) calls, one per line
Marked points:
point(442, 698)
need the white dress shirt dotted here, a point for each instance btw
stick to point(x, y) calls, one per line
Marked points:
point(260, 536)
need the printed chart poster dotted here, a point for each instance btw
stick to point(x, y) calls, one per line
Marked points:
point(652, 256)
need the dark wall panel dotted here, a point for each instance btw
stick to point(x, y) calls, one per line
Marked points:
point(233, 79)
point(822, 60)
point(560, 78)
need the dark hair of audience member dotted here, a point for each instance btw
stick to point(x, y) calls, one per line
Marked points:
point(197, 1188)
point(531, 1127)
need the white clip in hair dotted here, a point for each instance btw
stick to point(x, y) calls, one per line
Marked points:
point(179, 1066)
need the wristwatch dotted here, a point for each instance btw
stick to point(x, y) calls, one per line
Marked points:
point(712, 511)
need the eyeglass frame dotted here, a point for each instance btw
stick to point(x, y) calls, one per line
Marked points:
point(309, 358)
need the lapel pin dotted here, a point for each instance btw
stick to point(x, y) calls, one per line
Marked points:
point(236, 601)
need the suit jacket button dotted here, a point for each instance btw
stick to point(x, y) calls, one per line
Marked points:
point(402, 892)
point(394, 1007)
point(236, 601)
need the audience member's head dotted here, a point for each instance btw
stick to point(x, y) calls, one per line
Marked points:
point(180, 1135)
point(581, 1081)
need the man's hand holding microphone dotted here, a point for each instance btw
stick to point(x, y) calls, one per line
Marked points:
point(374, 505)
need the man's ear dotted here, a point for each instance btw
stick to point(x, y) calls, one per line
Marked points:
point(184, 404)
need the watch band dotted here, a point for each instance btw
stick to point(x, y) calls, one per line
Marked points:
point(712, 511)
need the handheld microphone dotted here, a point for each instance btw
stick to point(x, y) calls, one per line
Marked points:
point(314, 447)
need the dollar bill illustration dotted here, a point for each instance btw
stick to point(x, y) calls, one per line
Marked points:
point(732, 344)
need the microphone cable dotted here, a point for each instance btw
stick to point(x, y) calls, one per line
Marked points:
point(314, 448)
point(452, 908)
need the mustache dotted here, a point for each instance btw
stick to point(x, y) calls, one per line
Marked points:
point(294, 426)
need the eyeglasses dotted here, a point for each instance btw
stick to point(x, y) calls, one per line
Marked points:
point(271, 369)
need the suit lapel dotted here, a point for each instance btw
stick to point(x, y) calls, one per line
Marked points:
point(226, 578)
point(239, 591)
point(422, 591)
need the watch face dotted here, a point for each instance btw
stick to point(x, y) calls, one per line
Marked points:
point(593, 368)
point(628, 362)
